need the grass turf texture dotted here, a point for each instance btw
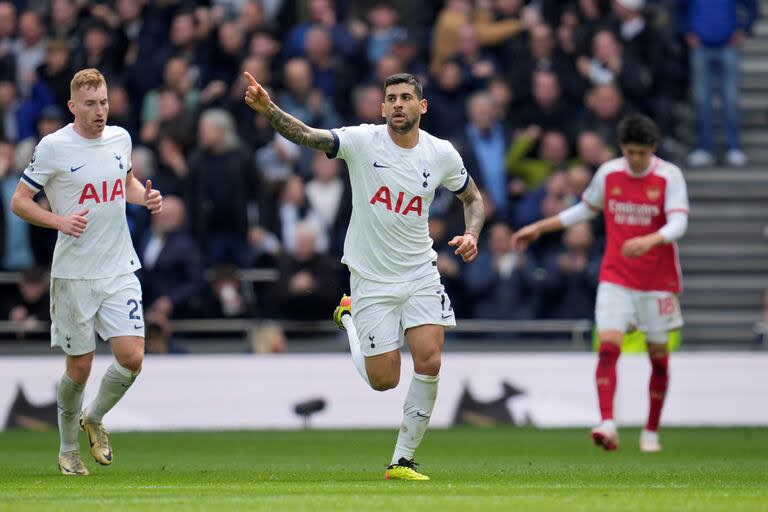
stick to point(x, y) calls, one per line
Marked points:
point(471, 469)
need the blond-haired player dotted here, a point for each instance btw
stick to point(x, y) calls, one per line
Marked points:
point(85, 170)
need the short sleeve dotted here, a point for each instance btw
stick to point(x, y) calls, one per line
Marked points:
point(42, 166)
point(676, 197)
point(594, 195)
point(348, 139)
point(456, 177)
point(128, 153)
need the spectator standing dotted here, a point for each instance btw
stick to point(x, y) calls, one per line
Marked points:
point(478, 65)
point(324, 14)
point(56, 71)
point(610, 64)
point(29, 49)
point(571, 275)
point(309, 282)
point(171, 274)
point(534, 170)
point(18, 253)
point(543, 55)
point(483, 147)
point(221, 191)
point(446, 119)
point(330, 197)
point(549, 111)
point(30, 301)
point(500, 285)
point(715, 32)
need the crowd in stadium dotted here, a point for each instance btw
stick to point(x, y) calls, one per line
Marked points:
point(529, 92)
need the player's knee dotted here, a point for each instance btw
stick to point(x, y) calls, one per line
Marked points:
point(613, 337)
point(79, 369)
point(657, 350)
point(429, 365)
point(659, 362)
point(131, 360)
point(384, 382)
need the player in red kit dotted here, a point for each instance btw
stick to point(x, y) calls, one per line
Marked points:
point(645, 206)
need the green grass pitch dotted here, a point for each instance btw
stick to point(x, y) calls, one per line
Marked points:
point(504, 469)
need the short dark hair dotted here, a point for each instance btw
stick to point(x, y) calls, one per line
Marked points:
point(404, 78)
point(638, 129)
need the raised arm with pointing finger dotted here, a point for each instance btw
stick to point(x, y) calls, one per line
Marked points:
point(286, 125)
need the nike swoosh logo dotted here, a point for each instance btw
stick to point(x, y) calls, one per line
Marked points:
point(447, 316)
point(138, 326)
point(379, 166)
point(73, 169)
point(422, 415)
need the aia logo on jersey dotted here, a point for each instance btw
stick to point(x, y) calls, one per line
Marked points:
point(108, 193)
point(653, 193)
point(384, 196)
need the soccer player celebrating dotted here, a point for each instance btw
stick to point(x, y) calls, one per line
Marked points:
point(85, 170)
point(645, 205)
point(394, 169)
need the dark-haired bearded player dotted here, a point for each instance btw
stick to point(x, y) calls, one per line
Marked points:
point(394, 169)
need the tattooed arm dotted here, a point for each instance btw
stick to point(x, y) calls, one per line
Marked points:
point(474, 210)
point(286, 125)
point(474, 218)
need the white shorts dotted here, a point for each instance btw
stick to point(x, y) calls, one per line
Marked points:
point(383, 311)
point(619, 308)
point(80, 308)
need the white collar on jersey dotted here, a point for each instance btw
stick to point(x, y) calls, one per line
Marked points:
point(651, 167)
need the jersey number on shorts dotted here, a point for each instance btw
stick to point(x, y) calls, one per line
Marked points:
point(136, 306)
point(666, 306)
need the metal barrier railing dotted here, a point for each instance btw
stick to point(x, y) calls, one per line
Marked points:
point(254, 275)
point(577, 331)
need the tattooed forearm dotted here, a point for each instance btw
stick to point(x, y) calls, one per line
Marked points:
point(298, 132)
point(474, 210)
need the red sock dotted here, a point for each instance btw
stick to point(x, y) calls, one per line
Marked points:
point(657, 390)
point(605, 377)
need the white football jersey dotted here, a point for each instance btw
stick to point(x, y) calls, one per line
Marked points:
point(79, 174)
point(392, 190)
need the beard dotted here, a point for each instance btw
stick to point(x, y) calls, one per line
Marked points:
point(405, 127)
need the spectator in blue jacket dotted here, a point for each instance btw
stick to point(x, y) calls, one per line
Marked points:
point(715, 31)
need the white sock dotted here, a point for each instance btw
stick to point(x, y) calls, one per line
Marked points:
point(417, 410)
point(354, 347)
point(114, 384)
point(69, 398)
point(649, 435)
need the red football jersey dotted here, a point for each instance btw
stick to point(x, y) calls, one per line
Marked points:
point(635, 205)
